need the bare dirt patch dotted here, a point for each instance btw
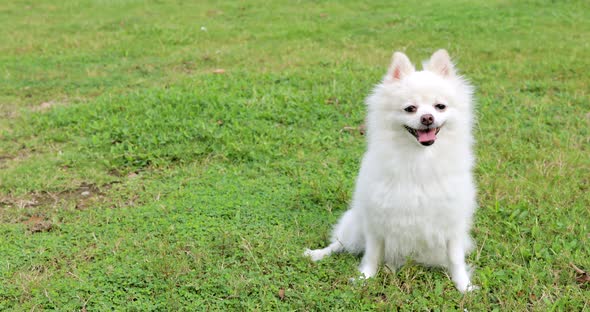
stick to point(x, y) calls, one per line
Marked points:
point(35, 210)
point(37, 224)
point(20, 155)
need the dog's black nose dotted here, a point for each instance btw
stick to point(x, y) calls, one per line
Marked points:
point(427, 119)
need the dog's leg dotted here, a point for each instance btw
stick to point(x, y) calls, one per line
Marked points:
point(373, 255)
point(319, 254)
point(457, 266)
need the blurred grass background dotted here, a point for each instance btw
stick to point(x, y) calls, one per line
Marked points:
point(173, 155)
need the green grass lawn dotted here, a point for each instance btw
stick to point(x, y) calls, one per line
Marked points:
point(136, 175)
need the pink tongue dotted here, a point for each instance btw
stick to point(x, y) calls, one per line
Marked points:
point(426, 135)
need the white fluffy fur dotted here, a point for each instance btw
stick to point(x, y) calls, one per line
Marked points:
point(413, 201)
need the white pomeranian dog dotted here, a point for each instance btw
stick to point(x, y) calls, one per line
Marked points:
point(415, 195)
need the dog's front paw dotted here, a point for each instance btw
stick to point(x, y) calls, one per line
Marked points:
point(360, 281)
point(467, 288)
point(367, 271)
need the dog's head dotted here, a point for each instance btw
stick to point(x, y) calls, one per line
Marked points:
point(422, 104)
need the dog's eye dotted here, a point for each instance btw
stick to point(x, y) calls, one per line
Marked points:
point(411, 109)
point(440, 106)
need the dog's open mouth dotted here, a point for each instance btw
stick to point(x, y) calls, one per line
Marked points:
point(425, 137)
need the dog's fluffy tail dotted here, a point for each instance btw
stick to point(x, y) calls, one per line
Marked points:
point(319, 254)
point(347, 236)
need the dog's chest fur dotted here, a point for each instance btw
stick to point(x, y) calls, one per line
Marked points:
point(415, 207)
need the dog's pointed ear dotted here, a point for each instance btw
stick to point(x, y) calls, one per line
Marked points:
point(440, 63)
point(400, 67)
